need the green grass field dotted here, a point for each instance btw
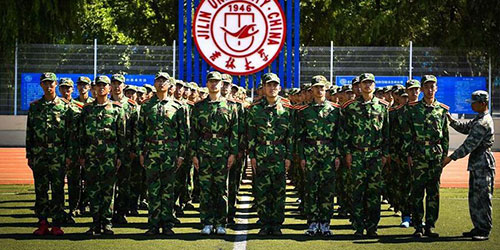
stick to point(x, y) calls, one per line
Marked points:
point(17, 222)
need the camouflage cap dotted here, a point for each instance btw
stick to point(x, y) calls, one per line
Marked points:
point(103, 79)
point(387, 89)
point(203, 90)
point(346, 88)
point(118, 77)
point(379, 89)
point(401, 92)
point(234, 86)
point(162, 74)
point(141, 90)
point(193, 85)
point(293, 91)
point(263, 77)
point(429, 78)
point(242, 89)
point(413, 83)
point(355, 80)
point(149, 87)
point(130, 87)
point(83, 79)
point(318, 78)
point(214, 75)
point(66, 82)
point(397, 87)
point(227, 78)
point(366, 77)
point(320, 83)
point(333, 90)
point(261, 85)
point(271, 77)
point(48, 76)
point(180, 82)
point(478, 96)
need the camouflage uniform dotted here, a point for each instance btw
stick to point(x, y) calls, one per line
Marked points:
point(123, 190)
point(162, 139)
point(364, 135)
point(214, 136)
point(481, 164)
point(270, 142)
point(318, 127)
point(46, 142)
point(426, 137)
point(103, 142)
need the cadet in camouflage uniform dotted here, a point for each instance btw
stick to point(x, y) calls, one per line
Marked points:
point(83, 86)
point(103, 148)
point(162, 144)
point(122, 188)
point(481, 166)
point(426, 137)
point(235, 173)
point(364, 137)
point(214, 146)
point(318, 148)
point(270, 136)
point(73, 170)
point(46, 144)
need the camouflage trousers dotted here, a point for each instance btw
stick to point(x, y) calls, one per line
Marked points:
point(298, 178)
point(404, 188)
point(270, 192)
point(344, 188)
point(235, 175)
point(367, 184)
point(426, 178)
point(195, 196)
point(137, 184)
point(481, 185)
point(101, 174)
point(184, 183)
point(213, 190)
point(160, 177)
point(47, 172)
point(320, 192)
point(74, 175)
point(123, 190)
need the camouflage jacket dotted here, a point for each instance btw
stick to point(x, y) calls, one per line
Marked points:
point(103, 132)
point(162, 125)
point(270, 131)
point(318, 130)
point(396, 135)
point(88, 100)
point(478, 143)
point(425, 130)
point(365, 127)
point(47, 129)
point(131, 109)
point(74, 126)
point(214, 128)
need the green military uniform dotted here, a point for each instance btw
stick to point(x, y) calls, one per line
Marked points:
point(481, 166)
point(364, 136)
point(122, 187)
point(426, 137)
point(103, 142)
point(318, 146)
point(46, 143)
point(163, 140)
point(270, 142)
point(214, 136)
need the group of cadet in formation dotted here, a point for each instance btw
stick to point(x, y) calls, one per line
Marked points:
point(166, 146)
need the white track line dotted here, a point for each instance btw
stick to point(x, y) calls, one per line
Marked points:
point(241, 234)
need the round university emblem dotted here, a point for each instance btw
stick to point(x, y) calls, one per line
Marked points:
point(239, 37)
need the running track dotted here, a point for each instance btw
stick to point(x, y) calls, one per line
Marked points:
point(14, 170)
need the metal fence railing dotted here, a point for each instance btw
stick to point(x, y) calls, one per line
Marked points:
point(328, 61)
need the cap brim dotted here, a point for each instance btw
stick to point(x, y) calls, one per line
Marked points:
point(470, 101)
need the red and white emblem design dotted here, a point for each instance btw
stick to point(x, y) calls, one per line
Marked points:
point(239, 37)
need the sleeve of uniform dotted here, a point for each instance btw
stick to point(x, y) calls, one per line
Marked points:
point(446, 137)
point(344, 135)
point(407, 132)
point(252, 132)
point(386, 130)
point(140, 132)
point(120, 134)
point(134, 120)
point(300, 134)
point(472, 141)
point(69, 133)
point(234, 139)
point(289, 136)
point(241, 128)
point(29, 134)
point(194, 135)
point(461, 127)
point(336, 135)
point(182, 132)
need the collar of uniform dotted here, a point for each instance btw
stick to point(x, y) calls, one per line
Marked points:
point(373, 100)
point(323, 103)
point(53, 101)
point(123, 100)
point(267, 105)
point(435, 103)
point(104, 104)
point(220, 99)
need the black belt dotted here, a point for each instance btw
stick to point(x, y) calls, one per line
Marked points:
point(103, 141)
point(208, 136)
point(318, 142)
point(269, 143)
point(366, 149)
point(160, 142)
point(49, 145)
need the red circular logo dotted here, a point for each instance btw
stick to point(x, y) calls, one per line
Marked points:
point(239, 37)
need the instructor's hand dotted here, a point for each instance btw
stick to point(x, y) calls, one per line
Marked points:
point(230, 161)
point(253, 163)
point(196, 163)
point(446, 161)
point(287, 164)
point(348, 160)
